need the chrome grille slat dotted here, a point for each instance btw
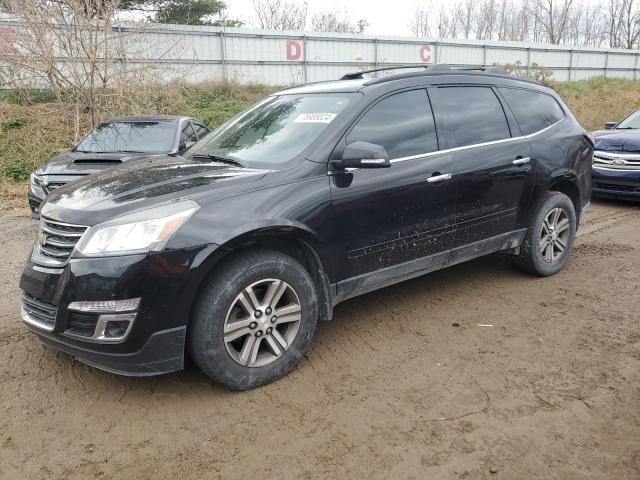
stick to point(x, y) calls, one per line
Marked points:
point(57, 240)
point(60, 233)
point(616, 160)
point(38, 312)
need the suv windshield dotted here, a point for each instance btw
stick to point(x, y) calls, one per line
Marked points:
point(273, 131)
point(632, 121)
point(146, 137)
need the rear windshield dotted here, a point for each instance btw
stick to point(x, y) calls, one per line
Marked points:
point(145, 137)
point(275, 130)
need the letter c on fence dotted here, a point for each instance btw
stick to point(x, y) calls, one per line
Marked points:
point(293, 50)
point(425, 53)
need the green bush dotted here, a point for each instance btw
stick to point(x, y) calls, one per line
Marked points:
point(17, 173)
point(10, 124)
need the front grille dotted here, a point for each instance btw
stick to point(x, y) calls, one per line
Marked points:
point(56, 240)
point(616, 160)
point(616, 188)
point(39, 312)
point(53, 185)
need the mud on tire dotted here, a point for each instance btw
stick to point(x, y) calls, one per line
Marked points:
point(550, 236)
point(241, 349)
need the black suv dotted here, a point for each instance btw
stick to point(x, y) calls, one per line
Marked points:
point(312, 196)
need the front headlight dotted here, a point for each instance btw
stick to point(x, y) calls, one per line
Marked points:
point(140, 232)
point(36, 180)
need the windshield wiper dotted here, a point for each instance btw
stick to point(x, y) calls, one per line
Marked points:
point(220, 159)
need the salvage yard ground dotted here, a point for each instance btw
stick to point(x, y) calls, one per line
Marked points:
point(548, 387)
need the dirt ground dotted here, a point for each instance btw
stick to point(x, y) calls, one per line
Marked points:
point(390, 389)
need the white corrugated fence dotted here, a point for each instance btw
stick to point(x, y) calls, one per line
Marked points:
point(201, 53)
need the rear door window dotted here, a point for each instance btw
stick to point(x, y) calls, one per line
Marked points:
point(534, 111)
point(474, 115)
point(402, 123)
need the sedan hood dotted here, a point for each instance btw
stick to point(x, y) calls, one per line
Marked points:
point(85, 163)
point(144, 184)
point(617, 140)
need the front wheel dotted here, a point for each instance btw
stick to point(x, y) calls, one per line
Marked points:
point(550, 237)
point(253, 320)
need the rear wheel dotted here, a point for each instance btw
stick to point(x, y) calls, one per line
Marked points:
point(253, 320)
point(550, 237)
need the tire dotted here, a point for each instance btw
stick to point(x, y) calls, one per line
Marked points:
point(242, 358)
point(541, 254)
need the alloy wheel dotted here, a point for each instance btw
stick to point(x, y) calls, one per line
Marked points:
point(554, 235)
point(262, 322)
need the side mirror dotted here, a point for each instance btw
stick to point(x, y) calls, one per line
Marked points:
point(610, 125)
point(363, 155)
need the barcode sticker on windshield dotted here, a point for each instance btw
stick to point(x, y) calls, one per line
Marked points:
point(315, 118)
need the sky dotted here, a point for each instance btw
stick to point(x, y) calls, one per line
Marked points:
point(385, 18)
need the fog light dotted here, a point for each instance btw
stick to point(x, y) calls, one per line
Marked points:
point(106, 306)
point(113, 328)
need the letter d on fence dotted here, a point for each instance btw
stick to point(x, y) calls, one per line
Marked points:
point(294, 50)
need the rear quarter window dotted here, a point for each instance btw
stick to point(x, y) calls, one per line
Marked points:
point(534, 111)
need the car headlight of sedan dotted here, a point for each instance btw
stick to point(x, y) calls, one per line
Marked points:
point(139, 232)
point(36, 180)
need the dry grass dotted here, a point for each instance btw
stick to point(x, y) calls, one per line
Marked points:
point(597, 101)
point(13, 197)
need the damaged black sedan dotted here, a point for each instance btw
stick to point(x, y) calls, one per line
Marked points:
point(114, 142)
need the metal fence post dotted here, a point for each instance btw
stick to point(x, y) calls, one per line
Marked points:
point(635, 68)
point(304, 58)
point(570, 62)
point(606, 63)
point(484, 55)
point(528, 58)
point(375, 52)
point(223, 50)
point(435, 53)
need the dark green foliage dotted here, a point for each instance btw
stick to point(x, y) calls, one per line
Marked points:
point(184, 12)
point(17, 172)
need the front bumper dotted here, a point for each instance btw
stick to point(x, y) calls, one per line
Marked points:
point(165, 282)
point(614, 183)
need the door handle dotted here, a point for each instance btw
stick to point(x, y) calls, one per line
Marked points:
point(439, 178)
point(522, 161)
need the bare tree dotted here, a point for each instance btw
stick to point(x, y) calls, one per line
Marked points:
point(331, 22)
point(73, 50)
point(553, 15)
point(624, 23)
point(420, 23)
point(594, 23)
point(280, 14)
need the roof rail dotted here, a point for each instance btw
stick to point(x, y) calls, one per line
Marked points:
point(431, 68)
point(358, 75)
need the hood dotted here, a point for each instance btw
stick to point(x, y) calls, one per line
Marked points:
point(83, 163)
point(617, 140)
point(143, 184)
